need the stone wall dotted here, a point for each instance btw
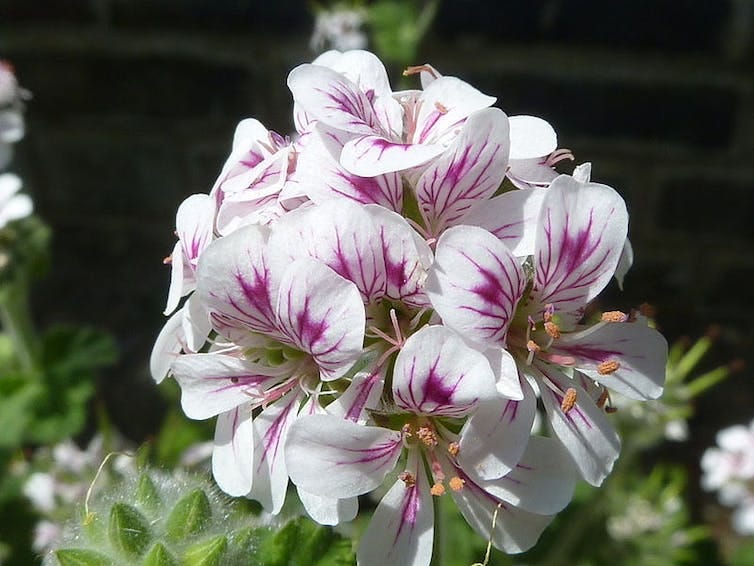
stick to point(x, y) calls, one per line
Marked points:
point(135, 103)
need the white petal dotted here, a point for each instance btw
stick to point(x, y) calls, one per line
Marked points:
point(362, 394)
point(233, 455)
point(445, 104)
point(542, 482)
point(624, 263)
point(238, 280)
point(215, 383)
point(436, 373)
point(402, 528)
point(512, 217)
point(579, 242)
point(167, 347)
point(494, 438)
point(475, 284)
point(341, 235)
point(270, 473)
point(531, 137)
point(406, 255)
point(330, 456)
point(322, 314)
point(470, 171)
point(584, 430)
point(505, 369)
point(514, 530)
point(328, 510)
point(641, 353)
point(334, 99)
point(372, 155)
point(319, 172)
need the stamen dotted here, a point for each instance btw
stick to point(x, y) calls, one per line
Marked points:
point(532, 325)
point(453, 449)
point(608, 367)
point(456, 483)
point(533, 348)
point(407, 430)
point(397, 328)
point(549, 312)
point(437, 490)
point(552, 329)
point(569, 400)
point(614, 316)
point(407, 478)
point(168, 260)
point(427, 436)
point(416, 69)
point(558, 155)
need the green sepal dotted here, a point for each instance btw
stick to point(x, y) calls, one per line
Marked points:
point(189, 516)
point(158, 555)
point(146, 493)
point(81, 557)
point(128, 530)
point(302, 541)
point(207, 553)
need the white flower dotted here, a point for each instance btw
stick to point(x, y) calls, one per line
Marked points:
point(339, 28)
point(40, 489)
point(729, 470)
point(13, 206)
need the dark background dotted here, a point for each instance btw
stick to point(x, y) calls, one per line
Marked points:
point(135, 103)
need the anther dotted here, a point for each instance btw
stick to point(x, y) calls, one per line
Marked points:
point(614, 316)
point(533, 348)
point(552, 329)
point(549, 312)
point(441, 108)
point(416, 69)
point(407, 430)
point(456, 483)
point(407, 478)
point(437, 490)
point(569, 400)
point(608, 367)
point(168, 260)
point(427, 436)
point(453, 449)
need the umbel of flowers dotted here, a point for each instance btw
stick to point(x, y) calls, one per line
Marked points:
point(388, 297)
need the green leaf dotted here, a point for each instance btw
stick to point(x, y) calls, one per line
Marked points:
point(189, 516)
point(18, 397)
point(158, 555)
point(128, 530)
point(81, 557)
point(207, 553)
point(744, 555)
point(303, 543)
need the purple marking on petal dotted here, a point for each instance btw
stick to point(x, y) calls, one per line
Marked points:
point(410, 510)
point(494, 294)
point(575, 249)
point(272, 441)
point(360, 401)
point(428, 125)
point(436, 396)
point(376, 453)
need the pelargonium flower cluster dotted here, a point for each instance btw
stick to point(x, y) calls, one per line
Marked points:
point(728, 469)
point(388, 297)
